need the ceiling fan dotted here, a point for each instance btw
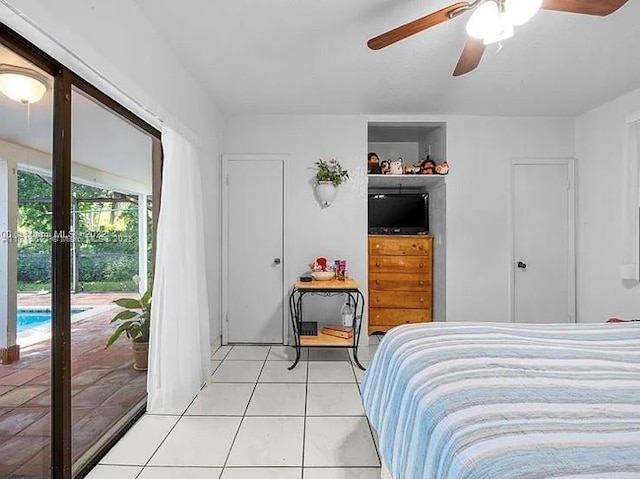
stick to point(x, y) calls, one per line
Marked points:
point(492, 21)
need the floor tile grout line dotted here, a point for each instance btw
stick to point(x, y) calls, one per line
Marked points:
point(159, 446)
point(170, 430)
point(245, 415)
point(304, 420)
point(226, 355)
point(235, 437)
point(359, 386)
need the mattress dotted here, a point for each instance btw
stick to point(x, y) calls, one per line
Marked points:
point(507, 401)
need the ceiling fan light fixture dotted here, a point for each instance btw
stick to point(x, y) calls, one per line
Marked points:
point(484, 21)
point(23, 85)
point(504, 31)
point(521, 11)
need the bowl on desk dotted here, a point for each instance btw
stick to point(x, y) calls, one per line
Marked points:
point(322, 275)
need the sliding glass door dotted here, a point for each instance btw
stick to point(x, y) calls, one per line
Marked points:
point(111, 190)
point(26, 132)
point(79, 193)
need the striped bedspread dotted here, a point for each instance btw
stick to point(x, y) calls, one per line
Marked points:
point(506, 401)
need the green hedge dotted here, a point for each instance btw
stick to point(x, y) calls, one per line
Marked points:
point(35, 267)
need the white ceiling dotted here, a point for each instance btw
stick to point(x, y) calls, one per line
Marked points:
point(310, 56)
point(100, 139)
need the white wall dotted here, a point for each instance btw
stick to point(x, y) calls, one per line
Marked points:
point(337, 232)
point(408, 151)
point(114, 47)
point(479, 150)
point(599, 150)
point(436, 141)
point(438, 229)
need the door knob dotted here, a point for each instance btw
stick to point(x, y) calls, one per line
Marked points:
point(522, 265)
point(276, 261)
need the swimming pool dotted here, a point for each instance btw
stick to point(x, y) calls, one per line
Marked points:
point(32, 317)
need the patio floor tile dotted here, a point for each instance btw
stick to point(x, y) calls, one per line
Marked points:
point(21, 395)
point(21, 377)
point(93, 395)
point(16, 451)
point(88, 377)
point(6, 389)
point(104, 388)
point(124, 398)
point(19, 419)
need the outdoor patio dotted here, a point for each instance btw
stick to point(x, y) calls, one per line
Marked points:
point(104, 387)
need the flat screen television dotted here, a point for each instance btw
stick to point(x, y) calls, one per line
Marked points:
point(398, 213)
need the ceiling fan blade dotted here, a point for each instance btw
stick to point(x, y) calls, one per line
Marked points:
point(587, 7)
point(417, 26)
point(470, 58)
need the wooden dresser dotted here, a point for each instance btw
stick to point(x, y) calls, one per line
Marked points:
point(400, 281)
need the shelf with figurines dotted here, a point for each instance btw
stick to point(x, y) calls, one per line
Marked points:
point(392, 173)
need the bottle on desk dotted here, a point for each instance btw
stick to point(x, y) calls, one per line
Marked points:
point(347, 314)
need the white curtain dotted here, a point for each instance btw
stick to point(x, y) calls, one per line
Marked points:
point(179, 349)
point(630, 265)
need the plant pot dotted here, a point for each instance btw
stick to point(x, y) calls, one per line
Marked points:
point(326, 192)
point(140, 356)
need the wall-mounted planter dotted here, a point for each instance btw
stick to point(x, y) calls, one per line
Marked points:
point(325, 192)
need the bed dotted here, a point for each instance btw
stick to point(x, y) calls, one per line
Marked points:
point(507, 401)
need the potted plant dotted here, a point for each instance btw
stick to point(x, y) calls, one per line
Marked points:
point(329, 176)
point(134, 320)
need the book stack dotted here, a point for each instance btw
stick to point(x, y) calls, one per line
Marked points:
point(338, 331)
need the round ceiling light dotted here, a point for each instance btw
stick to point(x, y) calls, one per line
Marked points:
point(21, 84)
point(484, 21)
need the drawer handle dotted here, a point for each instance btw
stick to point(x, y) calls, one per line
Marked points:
point(377, 264)
point(377, 281)
point(377, 316)
point(378, 299)
point(407, 321)
point(421, 282)
point(421, 247)
point(422, 300)
point(421, 265)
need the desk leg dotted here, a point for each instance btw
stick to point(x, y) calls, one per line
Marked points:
point(295, 363)
point(295, 317)
point(358, 312)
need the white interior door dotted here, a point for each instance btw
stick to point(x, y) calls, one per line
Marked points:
point(543, 248)
point(253, 243)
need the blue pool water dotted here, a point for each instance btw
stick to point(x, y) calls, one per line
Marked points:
point(30, 318)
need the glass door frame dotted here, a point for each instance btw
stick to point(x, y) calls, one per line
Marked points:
point(64, 80)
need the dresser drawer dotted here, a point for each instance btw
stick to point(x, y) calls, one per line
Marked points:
point(399, 299)
point(400, 281)
point(382, 317)
point(394, 246)
point(399, 264)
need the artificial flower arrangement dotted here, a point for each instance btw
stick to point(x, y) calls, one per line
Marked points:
point(331, 171)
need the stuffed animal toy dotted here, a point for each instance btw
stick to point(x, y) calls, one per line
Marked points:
point(442, 168)
point(396, 167)
point(320, 264)
point(373, 164)
point(412, 169)
point(384, 166)
point(428, 167)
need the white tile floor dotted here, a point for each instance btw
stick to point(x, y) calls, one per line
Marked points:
point(257, 420)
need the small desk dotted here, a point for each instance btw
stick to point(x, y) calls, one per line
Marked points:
point(329, 288)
